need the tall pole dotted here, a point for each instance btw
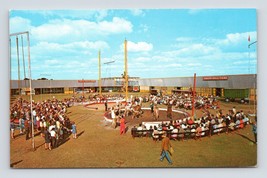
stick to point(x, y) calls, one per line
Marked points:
point(23, 60)
point(10, 65)
point(126, 69)
point(99, 73)
point(17, 43)
point(30, 81)
point(83, 88)
point(254, 98)
point(194, 94)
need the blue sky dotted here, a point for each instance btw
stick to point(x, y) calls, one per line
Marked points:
point(161, 42)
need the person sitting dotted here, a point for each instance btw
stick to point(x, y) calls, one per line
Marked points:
point(134, 132)
point(174, 133)
point(190, 121)
point(231, 126)
point(187, 132)
point(204, 129)
point(150, 132)
point(164, 126)
point(139, 130)
point(241, 125)
point(198, 132)
point(193, 131)
point(245, 120)
point(237, 123)
point(155, 134)
point(144, 130)
point(181, 132)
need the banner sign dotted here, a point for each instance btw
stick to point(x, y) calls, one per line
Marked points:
point(86, 81)
point(215, 78)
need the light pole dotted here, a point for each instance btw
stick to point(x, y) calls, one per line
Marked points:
point(254, 103)
point(30, 77)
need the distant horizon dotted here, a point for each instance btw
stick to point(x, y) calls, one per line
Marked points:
point(162, 43)
point(143, 78)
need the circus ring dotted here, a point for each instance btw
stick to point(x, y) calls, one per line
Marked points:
point(146, 119)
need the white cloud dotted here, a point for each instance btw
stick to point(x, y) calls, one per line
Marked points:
point(137, 12)
point(193, 50)
point(137, 47)
point(194, 64)
point(237, 38)
point(173, 65)
point(71, 14)
point(82, 45)
point(68, 30)
point(51, 62)
point(184, 39)
point(19, 24)
point(162, 58)
point(143, 28)
point(142, 59)
point(117, 25)
point(101, 14)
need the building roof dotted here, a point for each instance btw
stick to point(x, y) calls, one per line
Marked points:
point(225, 81)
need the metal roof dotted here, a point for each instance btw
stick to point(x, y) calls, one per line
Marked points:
point(232, 82)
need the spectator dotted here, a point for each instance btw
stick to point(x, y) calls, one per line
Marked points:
point(122, 125)
point(254, 130)
point(12, 128)
point(27, 129)
point(113, 116)
point(152, 107)
point(198, 132)
point(53, 138)
point(155, 134)
point(47, 138)
point(106, 105)
point(42, 128)
point(21, 125)
point(174, 133)
point(74, 130)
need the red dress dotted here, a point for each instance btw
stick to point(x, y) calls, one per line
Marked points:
point(122, 126)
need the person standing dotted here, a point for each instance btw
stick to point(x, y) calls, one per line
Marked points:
point(152, 107)
point(106, 105)
point(165, 146)
point(169, 110)
point(53, 138)
point(122, 125)
point(12, 128)
point(27, 128)
point(74, 130)
point(47, 138)
point(254, 130)
point(156, 112)
point(21, 125)
point(113, 117)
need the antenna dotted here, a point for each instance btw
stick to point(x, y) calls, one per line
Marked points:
point(107, 64)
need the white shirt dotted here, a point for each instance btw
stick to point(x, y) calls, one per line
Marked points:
point(53, 133)
point(113, 114)
point(50, 128)
point(34, 113)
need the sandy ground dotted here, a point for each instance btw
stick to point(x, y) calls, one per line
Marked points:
point(99, 145)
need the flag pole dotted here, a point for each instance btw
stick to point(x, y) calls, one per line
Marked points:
point(194, 93)
point(126, 70)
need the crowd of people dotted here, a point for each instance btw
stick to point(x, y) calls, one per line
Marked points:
point(191, 127)
point(49, 118)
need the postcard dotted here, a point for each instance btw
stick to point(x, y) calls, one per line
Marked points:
point(133, 88)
